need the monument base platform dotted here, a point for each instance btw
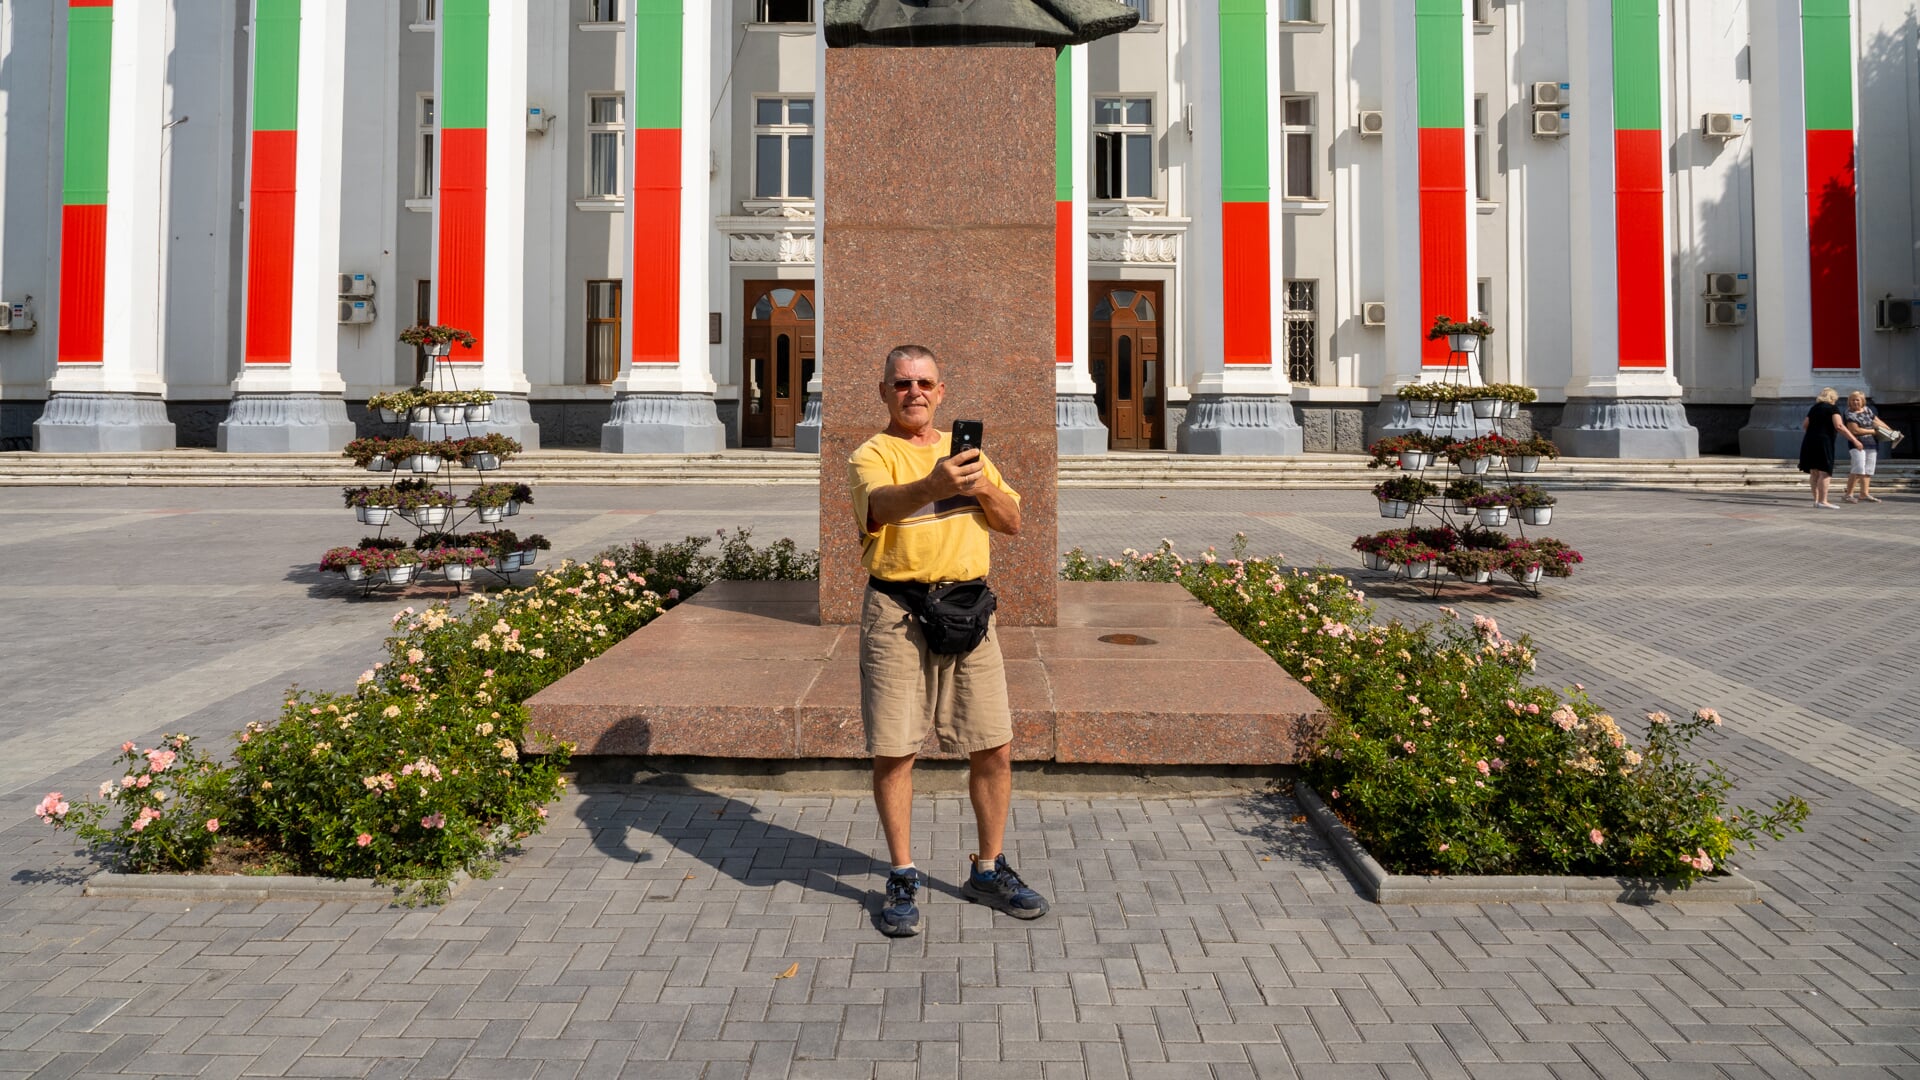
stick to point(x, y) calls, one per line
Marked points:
point(1134, 674)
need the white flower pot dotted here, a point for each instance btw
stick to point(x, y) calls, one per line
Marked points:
point(379, 463)
point(483, 462)
point(1463, 342)
point(491, 515)
point(529, 556)
point(1496, 462)
point(1536, 515)
point(423, 414)
point(1473, 466)
point(1394, 508)
point(1373, 560)
point(360, 514)
point(1422, 407)
point(1493, 515)
point(429, 515)
point(376, 515)
point(1486, 408)
point(424, 463)
point(1417, 570)
point(478, 413)
point(1478, 578)
point(356, 572)
point(438, 348)
point(457, 571)
point(401, 575)
point(1529, 576)
point(388, 416)
point(513, 507)
point(1510, 409)
point(1415, 460)
point(1526, 463)
point(447, 414)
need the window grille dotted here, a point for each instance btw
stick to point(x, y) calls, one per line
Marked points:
point(1302, 332)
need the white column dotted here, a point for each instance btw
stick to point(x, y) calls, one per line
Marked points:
point(503, 370)
point(1400, 210)
point(1076, 414)
point(1782, 277)
point(1594, 310)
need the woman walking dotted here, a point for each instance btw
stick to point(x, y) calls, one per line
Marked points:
point(1859, 417)
point(1816, 446)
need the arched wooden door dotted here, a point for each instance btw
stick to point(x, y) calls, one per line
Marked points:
point(1123, 356)
point(776, 362)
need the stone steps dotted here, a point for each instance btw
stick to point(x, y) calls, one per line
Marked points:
point(208, 468)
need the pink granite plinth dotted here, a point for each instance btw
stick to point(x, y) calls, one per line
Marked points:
point(938, 226)
point(745, 670)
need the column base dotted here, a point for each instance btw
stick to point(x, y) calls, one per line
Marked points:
point(1394, 417)
point(649, 423)
point(1626, 428)
point(284, 424)
point(1078, 420)
point(1773, 429)
point(806, 433)
point(1260, 425)
point(80, 422)
point(511, 416)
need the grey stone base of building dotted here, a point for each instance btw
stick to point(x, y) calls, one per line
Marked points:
point(1626, 428)
point(1231, 424)
point(1333, 429)
point(1078, 421)
point(729, 415)
point(83, 423)
point(1719, 426)
point(284, 424)
point(663, 424)
point(572, 424)
point(806, 433)
point(511, 416)
point(1394, 417)
point(1773, 429)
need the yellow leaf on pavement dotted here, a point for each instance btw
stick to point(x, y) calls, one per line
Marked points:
point(792, 970)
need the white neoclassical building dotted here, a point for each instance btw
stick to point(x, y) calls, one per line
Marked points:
point(1683, 217)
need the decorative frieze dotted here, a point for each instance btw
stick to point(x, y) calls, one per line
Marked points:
point(771, 233)
point(1135, 235)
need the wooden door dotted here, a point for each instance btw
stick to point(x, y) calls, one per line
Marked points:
point(777, 359)
point(1123, 349)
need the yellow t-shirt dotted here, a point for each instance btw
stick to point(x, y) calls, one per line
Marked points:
point(942, 541)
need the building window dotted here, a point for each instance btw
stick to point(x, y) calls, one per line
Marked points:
point(425, 180)
point(783, 11)
point(1144, 8)
point(603, 11)
point(603, 330)
point(783, 148)
point(422, 313)
point(1297, 120)
point(606, 146)
point(1483, 295)
point(1297, 11)
point(1481, 154)
point(1483, 12)
point(1123, 148)
point(1303, 332)
point(429, 11)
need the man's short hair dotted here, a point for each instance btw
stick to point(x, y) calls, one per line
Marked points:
point(907, 352)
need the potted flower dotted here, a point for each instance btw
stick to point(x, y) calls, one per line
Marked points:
point(1400, 494)
point(522, 496)
point(426, 507)
point(456, 563)
point(371, 452)
point(1460, 336)
point(491, 500)
point(447, 405)
point(372, 505)
point(1532, 503)
point(1511, 396)
point(1459, 491)
point(502, 546)
point(437, 340)
point(1557, 559)
point(397, 405)
point(1425, 399)
point(1477, 455)
point(1412, 452)
point(344, 560)
point(1527, 453)
point(1415, 559)
point(477, 404)
point(1369, 549)
point(398, 566)
point(1475, 565)
point(1491, 508)
point(531, 547)
point(484, 452)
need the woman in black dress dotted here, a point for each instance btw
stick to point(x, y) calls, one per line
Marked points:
point(1816, 446)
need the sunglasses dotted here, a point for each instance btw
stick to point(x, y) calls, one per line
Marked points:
point(901, 386)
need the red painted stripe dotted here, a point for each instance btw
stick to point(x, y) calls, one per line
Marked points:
point(460, 291)
point(1246, 284)
point(83, 279)
point(89, 3)
point(1063, 298)
point(1443, 235)
point(270, 199)
point(1833, 250)
point(654, 207)
point(1640, 248)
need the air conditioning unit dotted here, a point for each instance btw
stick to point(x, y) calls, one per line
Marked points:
point(538, 120)
point(1891, 314)
point(1372, 122)
point(1373, 313)
point(1722, 125)
point(1725, 283)
point(1726, 313)
point(16, 317)
point(356, 285)
point(1551, 125)
point(356, 311)
point(1550, 95)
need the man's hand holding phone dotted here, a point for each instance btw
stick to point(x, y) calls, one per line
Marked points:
point(960, 474)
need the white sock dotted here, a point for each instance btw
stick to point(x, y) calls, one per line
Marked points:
point(903, 869)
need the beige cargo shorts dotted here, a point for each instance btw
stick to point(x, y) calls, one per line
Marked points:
point(905, 689)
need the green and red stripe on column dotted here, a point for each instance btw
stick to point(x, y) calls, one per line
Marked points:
point(1245, 248)
point(1063, 159)
point(1640, 235)
point(83, 182)
point(271, 184)
point(460, 276)
point(654, 195)
point(1440, 78)
point(1826, 44)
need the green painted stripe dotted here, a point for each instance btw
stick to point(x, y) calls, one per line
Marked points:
point(1063, 126)
point(657, 31)
point(276, 65)
point(1826, 48)
point(83, 182)
point(1636, 65)
point(1440, 62)
point(1243, 101)
point(463, 64)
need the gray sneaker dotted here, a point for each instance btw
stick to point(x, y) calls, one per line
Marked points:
point(998, 887)
point(899, 915)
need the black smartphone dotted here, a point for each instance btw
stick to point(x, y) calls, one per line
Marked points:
point(967, 435)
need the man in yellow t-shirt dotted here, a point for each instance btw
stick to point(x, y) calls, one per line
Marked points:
point(924, 516)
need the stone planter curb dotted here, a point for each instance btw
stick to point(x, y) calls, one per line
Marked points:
point(109, 885)
point(1384, 888)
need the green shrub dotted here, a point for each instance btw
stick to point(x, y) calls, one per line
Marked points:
point(164, 812)
point(1443, 758)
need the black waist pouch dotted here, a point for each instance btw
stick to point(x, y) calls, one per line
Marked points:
point(952, 618)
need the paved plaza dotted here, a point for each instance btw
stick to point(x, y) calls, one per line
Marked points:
point(645, 932)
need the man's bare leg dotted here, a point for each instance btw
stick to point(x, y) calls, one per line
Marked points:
point(893, 795)
point(990, 783)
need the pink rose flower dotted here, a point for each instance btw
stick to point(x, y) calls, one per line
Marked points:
point(213, 824)
point(1597, 836)
point(363, 839)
